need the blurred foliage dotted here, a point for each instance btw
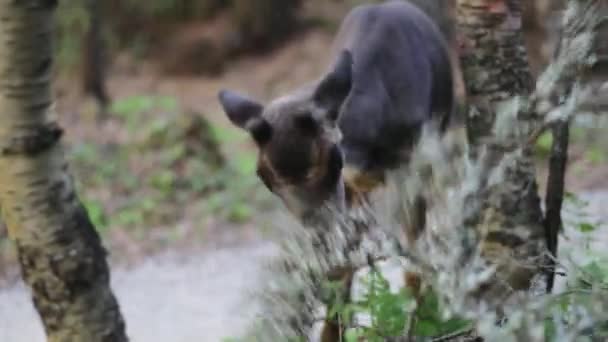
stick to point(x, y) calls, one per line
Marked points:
point(391, 314)
point(396, 314)
point(543, 144)
point(170, 162)
point(72, 24)
point(262, 22)
point(595, 149)
point(146, 27)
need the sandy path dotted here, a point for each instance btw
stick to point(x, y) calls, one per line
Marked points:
point(193, 298)
point(167, 298)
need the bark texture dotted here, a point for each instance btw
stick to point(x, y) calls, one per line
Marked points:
point(495, 68)
point(540, 20)
point(61, 256)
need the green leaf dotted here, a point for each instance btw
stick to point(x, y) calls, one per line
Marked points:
point(454, 325)
point(430, 321)
point(241, 212)
point(586, 227)
point(595, 273)
point(96, 213)
point(354, 335)
point(427, 328)
point(388, 310)
point(544, 142)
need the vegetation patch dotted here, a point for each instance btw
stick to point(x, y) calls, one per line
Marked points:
point(165, 165)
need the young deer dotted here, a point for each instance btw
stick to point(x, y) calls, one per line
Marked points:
point(332, 141)
point(319, 143)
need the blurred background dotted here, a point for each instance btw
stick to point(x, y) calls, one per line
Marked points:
point(169, 183)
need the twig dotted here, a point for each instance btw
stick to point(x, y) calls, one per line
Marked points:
point(464, 335)
point(555, 194)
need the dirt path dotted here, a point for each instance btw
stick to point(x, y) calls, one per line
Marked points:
point(201, 297)
point(167, 298)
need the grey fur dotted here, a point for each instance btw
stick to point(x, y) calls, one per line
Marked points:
point(393, 61)
point(402, 77)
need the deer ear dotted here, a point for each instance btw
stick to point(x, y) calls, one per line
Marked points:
point(246, 114)
point(239, 109)
point(335, 87)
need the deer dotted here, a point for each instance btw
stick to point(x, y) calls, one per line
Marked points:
point(331, 141)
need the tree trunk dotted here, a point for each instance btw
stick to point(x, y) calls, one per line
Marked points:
point(61, 256)
point(554, 197)
point(93, 63)
point(540, 23)
point(495, 68)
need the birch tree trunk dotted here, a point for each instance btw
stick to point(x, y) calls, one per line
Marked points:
point(495, 68)
point(61, 256)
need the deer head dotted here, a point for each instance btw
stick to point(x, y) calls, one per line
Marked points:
point(297, 137)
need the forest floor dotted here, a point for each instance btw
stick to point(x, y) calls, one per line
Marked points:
point(186, 246)
point(205, 296)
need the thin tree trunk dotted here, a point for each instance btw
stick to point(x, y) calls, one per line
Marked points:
point(555, 194)
point(93, 63)
point(495, 68)
point(61, 256)
point(537, 19)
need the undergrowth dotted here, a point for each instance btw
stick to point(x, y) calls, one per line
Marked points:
point(457, 277)
point(577, 311)
point(164, 165)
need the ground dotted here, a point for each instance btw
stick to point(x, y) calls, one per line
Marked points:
point(202, 296)
point(187, 278)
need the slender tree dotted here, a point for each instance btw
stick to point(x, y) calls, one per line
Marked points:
point(61, 256)
point(93, 61)
point(495, 68)
point(539, 27)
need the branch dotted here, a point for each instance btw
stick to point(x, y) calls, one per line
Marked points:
point(555, 194)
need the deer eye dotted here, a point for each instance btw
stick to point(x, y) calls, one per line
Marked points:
point(307, 124)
